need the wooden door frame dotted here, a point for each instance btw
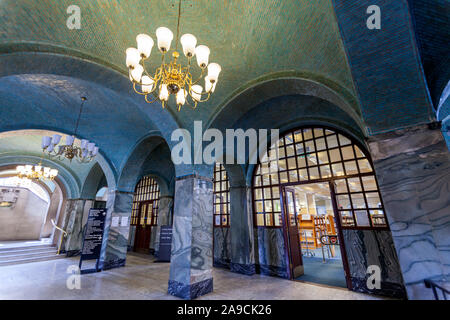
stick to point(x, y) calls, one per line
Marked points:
point(338, 226)
point(285, 226)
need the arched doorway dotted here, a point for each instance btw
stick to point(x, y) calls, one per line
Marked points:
point(314, 183)
point(144, 212)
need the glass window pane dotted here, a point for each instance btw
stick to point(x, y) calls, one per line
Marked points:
point(378, 218)
point(320, 144)
point(338, 170)
point(224, 220)
point(290, 151)
point(362, 219)
point(217, 220)
point(276, 192)
point(346, 218)
point(258, 195)
point(354, 184)
point(259, 206)
point(364, 165)
point(283, 177)
point(269, 219)
point(293, 177)
point(298, 136)
point(281, 153)
point(318, 132)
point(325, 171)
point(343, 140)
point(373, 200)
point(276, 205)
point(301, 161)
point(299, 148)
point(314, 173)
point(350, 167)
point(311, 159)
point(369, 183)
point(289, 139)
point(323, 157)
point(347, 153)
point(343, 201)
point(307, 134)
point(341, 186)
point(274, 178)
point(268, 206)
point(266, 180)
point(282, 165)
point(267, 193)
point(335, 155)
point(303, 174)
point(309, 146)
point(260, 219)
point(257, 181)
point(292, 164)
point(332, 141)
point(277, 218)
point(359, 153)
point(358, 201)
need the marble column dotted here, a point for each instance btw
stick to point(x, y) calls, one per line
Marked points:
point(75, 220)
point(191, 258)
point(413, 171)
point(164, 217)
point(115, 238)
point(241, 228)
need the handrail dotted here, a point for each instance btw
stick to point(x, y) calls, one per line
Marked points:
point(63, 235)
point(433, 285)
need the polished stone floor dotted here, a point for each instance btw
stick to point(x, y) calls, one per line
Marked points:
point(144, 279)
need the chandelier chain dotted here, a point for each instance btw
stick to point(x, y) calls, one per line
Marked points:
point(178, 25)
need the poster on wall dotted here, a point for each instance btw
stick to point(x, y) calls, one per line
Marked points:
point(93, 238)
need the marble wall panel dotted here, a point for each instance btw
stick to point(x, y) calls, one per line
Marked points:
point(191, 258)
point(413, 171)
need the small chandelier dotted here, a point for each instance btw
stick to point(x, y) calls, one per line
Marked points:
point(29, 172)
point(171, 78)
point(84, 154)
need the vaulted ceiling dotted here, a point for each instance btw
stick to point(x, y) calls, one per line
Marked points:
point(249, 39)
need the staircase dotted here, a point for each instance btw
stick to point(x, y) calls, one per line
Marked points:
point(26, 254)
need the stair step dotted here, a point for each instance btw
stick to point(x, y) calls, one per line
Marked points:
point(25, 251)
point(33, 259)
point(31, 247)
point(27, 254)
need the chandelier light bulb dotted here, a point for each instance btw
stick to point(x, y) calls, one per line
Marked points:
point(165, 37)
point(147, 84)
point(209, 86)
point(53, 172)
point(90, 146)
point(95, 151)
point(213, 72)
point(133, 57)
point(84, 143)
point(188, 41)
point(69, 140)
point(163, 93)
point(144, 45)
point(37, 168)
point(196, 92)
point(181, 97)
point(46, 141)
point(136, 73)
point(56, 139)
point(202, 53)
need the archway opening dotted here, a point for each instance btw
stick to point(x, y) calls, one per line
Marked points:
point(311, 186)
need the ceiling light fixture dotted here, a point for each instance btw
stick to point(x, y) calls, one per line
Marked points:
point(85, 153)
point(36, 172)
point(171, 78)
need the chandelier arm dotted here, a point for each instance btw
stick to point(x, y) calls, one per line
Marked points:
point(145, 97)
point(143, 93)
point(199, 78)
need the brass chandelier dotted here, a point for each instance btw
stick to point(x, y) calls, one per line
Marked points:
point(83, 154)
point(36, 172)
point(171, 78)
